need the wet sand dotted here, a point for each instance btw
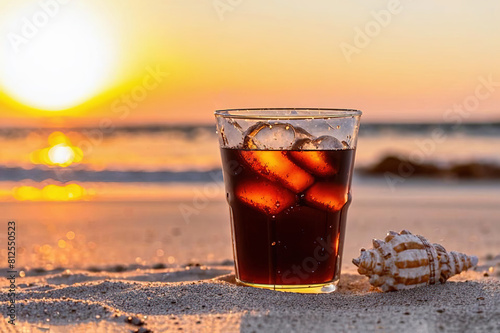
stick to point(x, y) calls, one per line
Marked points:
point(101, 275)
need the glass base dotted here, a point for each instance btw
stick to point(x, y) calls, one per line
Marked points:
point(321, 288)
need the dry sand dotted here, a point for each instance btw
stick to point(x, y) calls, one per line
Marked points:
point(144, 300)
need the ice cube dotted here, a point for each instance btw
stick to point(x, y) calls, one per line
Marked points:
point(314, 161)
point(230, 133)
point(265, 196)
point(324, 142)
point(311, 155)
point(327, 196)
point(267, 136)
point(277, 167)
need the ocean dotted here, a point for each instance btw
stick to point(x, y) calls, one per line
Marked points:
point(154, 195)
point(147, 162)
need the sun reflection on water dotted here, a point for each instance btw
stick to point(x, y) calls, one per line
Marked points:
point(51, 192)
point(60, 152)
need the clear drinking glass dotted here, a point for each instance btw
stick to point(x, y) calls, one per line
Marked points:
point(288, 174)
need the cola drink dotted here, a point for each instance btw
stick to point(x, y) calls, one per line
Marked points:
point(288, 191)
point(288, 213)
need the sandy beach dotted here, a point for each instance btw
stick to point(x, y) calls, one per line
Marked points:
point(149, 299)
point(146, 261)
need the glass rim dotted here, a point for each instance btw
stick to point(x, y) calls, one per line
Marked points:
point(301, 113)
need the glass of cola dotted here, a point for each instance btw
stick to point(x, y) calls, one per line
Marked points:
point(287, 174)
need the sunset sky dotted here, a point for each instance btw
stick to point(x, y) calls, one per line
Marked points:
point(75, 63)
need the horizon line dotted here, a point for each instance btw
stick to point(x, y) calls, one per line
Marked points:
point(202, 124)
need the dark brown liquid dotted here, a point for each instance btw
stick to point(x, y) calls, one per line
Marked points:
point(288, 213)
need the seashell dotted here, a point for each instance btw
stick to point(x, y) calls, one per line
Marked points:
point(405, 260)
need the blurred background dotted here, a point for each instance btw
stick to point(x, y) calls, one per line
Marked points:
point(108, 151)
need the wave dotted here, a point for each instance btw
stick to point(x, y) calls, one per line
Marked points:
point(68, 175)
point(193, 130)
point(184, 130)
point(471, 129)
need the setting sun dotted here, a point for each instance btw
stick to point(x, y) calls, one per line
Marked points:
point(55, 63)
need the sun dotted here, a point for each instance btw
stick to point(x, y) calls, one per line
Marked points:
point(56, 62)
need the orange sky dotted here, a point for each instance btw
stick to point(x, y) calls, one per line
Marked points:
point(412, 61)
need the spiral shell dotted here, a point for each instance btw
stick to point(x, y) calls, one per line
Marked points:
point(404, 261)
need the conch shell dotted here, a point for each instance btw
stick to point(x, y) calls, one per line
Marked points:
point(405, 261)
